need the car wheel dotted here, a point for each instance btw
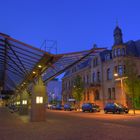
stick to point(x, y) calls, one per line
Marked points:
point(91, 110)
point(105, 111)
point(126, 112)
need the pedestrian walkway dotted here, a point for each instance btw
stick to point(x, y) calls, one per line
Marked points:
point(63, 125)
point(137, 112)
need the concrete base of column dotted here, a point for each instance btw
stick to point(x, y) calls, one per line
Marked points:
point(38, 113)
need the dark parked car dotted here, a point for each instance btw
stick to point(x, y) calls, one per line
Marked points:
point(59, 107)
point(115, 108)
point(90, 107)
point(69, 107)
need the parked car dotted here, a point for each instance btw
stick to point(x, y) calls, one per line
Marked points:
point(115, 108)
point(48, 106)
point(13, 108)
point(90, 107)
point(52, 107)
point(69, 107)
point(59, 107)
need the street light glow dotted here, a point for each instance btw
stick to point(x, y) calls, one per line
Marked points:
point(39, 66)
point(115, 74)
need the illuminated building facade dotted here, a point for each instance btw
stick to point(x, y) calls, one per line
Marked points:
point(100, 84)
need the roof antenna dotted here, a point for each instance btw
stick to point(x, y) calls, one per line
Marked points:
point(117, 22)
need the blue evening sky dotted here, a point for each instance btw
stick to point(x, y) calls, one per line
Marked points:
point(74, 24)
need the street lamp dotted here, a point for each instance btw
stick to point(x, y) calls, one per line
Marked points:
point(122, 86)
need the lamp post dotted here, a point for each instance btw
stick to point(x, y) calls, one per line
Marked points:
point(122, 86)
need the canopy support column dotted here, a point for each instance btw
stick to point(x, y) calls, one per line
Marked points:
point(38, 100)
point(24, 101)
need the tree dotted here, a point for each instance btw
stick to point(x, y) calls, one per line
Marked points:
point(132, 82)
point(78, 89)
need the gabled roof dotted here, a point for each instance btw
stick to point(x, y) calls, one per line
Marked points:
point(133, 48)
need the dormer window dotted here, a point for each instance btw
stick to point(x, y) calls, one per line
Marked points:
point(107, 57)
point(123, 51)
point(118, 52)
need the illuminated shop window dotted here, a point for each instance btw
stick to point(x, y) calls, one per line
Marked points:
point(39, 100)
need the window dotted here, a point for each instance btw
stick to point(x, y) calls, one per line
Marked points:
point(98, 76)
point(109, 74)
point(84, 96)
point(39, 100)
point(109, 93)
point(95, 61)
point(87, 95)
point(115, 69)
point(97, 95)
point(120, 70)
point(107, 57)
point(87, 79)
point(73, 69)
point(113, 93)
point(93, 77)
point(24, 102)
point(123, 51)
point(124, 69)
point(118, 52)
point(115, 52)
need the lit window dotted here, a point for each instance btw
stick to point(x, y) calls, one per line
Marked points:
point(39, 100)
point(24, 102)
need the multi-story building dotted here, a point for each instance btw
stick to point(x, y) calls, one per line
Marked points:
point(101, 86)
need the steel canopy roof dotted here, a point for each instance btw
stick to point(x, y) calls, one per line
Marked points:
point(19, 63)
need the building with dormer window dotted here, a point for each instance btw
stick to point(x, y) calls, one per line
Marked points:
point(98, 72)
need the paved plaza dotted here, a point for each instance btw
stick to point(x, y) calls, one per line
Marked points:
point(66, 125)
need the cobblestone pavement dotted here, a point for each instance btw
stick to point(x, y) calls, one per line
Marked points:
point(66, 125)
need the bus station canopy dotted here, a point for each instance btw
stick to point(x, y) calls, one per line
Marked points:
point(21, 63)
